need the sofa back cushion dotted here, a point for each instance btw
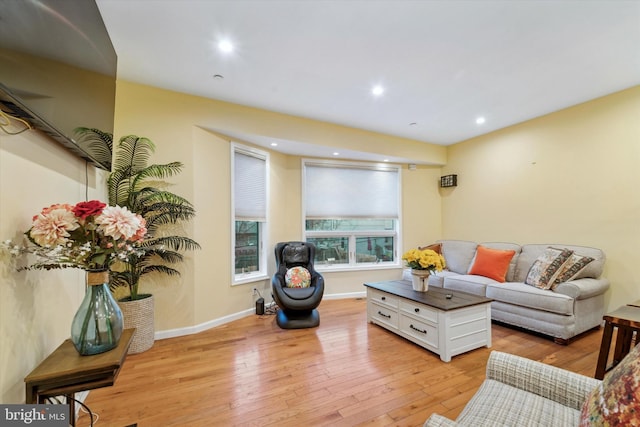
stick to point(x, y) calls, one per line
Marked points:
point(530, 254)
point(458, 254)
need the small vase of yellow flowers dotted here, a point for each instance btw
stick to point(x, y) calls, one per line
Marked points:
point(423, 262)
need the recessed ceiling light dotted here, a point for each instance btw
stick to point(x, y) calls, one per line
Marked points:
point(385, 160)
point(335, 153)
point(480, 120)
point(377, 90)
point(225, 46)
point(274, 144)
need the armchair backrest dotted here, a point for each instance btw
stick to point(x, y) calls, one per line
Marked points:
point(294, 254)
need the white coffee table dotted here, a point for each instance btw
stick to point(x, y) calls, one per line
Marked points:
point(445, 322)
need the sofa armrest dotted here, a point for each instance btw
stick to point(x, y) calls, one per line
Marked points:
point(436, 420)
point(583, 288)
point(562, 386)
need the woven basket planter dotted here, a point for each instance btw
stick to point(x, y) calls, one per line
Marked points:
point(139, 314)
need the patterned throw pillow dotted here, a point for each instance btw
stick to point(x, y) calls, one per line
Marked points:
point(297, 277)
point(571, 268)
point(616, 401)
point(547, 267)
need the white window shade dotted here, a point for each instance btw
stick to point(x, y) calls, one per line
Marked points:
point(350, 192)
point(250, 187)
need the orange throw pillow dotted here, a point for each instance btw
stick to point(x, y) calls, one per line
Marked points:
point(492, 263)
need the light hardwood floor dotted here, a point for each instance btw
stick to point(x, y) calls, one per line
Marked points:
point(346, 372)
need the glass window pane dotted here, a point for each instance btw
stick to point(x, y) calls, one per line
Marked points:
point(247, 251)
point(331, 250)
point(353, 224)
point(374, 249)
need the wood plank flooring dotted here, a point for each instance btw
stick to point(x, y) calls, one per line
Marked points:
point(346, 372)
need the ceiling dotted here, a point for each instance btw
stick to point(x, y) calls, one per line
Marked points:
point(443, 64)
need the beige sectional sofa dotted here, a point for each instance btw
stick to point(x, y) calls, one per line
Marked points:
point(573, 307)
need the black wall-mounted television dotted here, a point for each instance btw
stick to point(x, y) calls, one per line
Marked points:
point(58, 70)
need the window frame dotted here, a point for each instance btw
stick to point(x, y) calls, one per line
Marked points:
point(261, 273)
point(351, 235)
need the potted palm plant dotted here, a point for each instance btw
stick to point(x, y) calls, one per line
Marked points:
point(141, 187)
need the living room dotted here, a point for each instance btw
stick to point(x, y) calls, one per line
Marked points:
point(568, 177)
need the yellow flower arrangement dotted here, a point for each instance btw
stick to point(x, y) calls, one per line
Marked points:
point(424, 259)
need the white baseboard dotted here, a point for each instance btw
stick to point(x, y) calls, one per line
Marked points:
point(189, 330)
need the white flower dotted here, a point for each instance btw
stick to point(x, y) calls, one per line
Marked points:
point(52, 227)
point(118, 222)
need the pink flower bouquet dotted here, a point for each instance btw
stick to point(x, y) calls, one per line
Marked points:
point(89, 235)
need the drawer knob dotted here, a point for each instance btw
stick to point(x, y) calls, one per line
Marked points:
point(388, 316)
point(417, 310)
point(383, 298)
point(419, 330)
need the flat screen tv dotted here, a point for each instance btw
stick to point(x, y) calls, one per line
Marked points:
point(58, 70)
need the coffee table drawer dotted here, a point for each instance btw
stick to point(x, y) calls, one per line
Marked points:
point(421, 331)
point(384, 298)
point(420, 311)
point(381, 314)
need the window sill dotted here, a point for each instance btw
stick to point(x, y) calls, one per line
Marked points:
point(243, 279)
point(361, 267)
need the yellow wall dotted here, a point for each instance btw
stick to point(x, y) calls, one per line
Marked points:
point(180, 126)
point(36, 307)
point(569, 177)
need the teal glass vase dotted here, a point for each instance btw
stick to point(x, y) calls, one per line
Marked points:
point(97, 325)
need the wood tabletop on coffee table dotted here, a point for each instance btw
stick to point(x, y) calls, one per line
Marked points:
point(434, 297)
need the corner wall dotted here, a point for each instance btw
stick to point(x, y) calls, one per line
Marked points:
point(569, 177)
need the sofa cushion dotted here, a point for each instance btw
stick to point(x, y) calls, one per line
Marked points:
point(547, 267)
point(574, 265)
point(529, 253)
point(468, 283)
point(458, 254)
point(491, 263)
point(529, 296)
point(516, 407)
point(437, 279)
point(616, 401)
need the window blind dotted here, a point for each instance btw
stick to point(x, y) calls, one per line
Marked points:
point(336, 191)
point(250, 187)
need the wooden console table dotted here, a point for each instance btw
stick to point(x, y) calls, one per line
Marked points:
point(627, 320)
point(66, 372)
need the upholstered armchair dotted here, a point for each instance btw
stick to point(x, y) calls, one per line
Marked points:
point(297, 286)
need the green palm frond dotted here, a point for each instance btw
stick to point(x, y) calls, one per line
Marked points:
point(175, 243)
point(156, 171)
point(133, 154)
point(169, 257)
point(161, 269)
point(97, 143)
